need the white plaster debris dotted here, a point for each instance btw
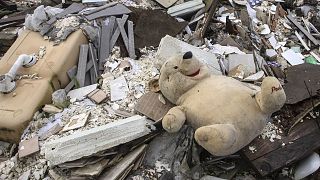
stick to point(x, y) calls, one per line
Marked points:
point(271, 132)
point(65, 23)
point(253, 149)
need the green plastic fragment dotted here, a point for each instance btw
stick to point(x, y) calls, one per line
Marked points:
point(311, 60)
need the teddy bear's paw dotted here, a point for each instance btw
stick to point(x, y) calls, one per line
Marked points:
point(170, 123)
point(218, 139)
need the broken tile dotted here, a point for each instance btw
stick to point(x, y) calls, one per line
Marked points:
point(76, 122)
point(118, 88)
point(97, 96)
point(28, 147)
point(80, 93)
point(292, 57)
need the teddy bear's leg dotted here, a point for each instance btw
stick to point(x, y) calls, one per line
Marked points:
point(218, 139)
point(272, 96)
point(174, 119)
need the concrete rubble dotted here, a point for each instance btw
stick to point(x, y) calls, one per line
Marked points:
point(106, 122)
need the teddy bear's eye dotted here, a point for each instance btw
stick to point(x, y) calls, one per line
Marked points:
point(176, 67)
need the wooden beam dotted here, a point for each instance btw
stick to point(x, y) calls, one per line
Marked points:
point(123, 33)
point(118, 9)
point(288, 154)
point(131, 50)
point(20, 18)
point(88, 142)
point(82, 64)
point(116, 34)
point(304, 31)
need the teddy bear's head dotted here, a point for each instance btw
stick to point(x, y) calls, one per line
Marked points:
point(179, 74)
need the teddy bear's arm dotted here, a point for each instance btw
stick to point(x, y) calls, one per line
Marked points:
point(174, 119)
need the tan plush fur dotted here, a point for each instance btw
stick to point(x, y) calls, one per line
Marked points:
point(226, 113)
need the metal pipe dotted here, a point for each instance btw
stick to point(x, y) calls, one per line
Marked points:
point(7, 83)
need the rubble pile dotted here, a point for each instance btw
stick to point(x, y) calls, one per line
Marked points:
point(103, 117)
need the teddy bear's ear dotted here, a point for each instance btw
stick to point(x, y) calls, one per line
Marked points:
point(187, 55)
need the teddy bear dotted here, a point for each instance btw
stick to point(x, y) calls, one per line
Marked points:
point(226, 114)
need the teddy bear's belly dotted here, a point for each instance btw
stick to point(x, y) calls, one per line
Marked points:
point(223, 102)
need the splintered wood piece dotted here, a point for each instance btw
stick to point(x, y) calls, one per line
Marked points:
point(127, 162)
point(151, 106)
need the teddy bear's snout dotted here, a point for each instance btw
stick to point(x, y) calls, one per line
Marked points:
point(187, 55)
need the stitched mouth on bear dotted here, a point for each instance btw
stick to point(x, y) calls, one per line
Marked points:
point(194, 74)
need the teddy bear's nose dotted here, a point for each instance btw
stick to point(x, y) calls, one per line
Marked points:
point(187, 55)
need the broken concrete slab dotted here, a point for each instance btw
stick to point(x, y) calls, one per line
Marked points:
point(158, 23)
point(85, 143)
point(151, 106)
point(80, 93)
point(170, 46)
point(28, 147)
point(118, 9)
point(97, 96)
point(76, 122)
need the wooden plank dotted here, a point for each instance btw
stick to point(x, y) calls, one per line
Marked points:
point(85, 143)
point(150, 106)
point(100, 8)
point(264, 146)
point(118, 9)
point(82, 64)
point(116, 171)
point(288, 154)
point(19, 18)
point(123, 33)
point(116, 34)
point(93, 58)
point(131, 50)
point(304, 31)
point(72, 72)
point(105, 42)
